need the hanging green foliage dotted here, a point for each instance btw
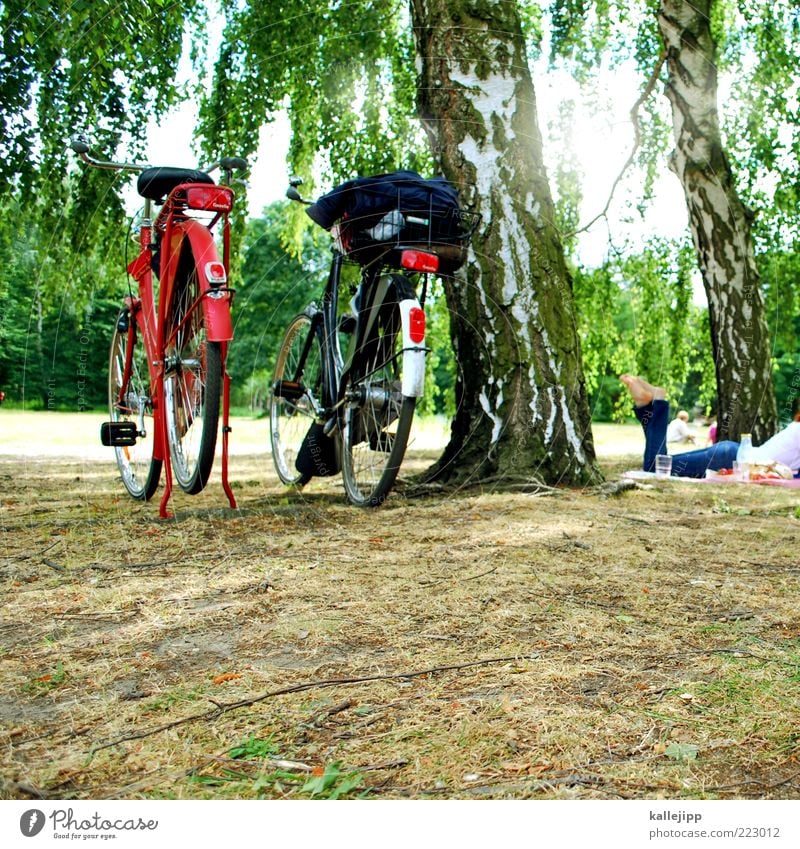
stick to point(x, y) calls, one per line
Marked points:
point(345, 73)
point(102, 66)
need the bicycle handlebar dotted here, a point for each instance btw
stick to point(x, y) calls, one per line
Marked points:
point(293, 194)
point(80, 144)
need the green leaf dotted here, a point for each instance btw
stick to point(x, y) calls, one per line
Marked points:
point(333, 783)
point(253, 748)
point(682, 752)
point(347, 785)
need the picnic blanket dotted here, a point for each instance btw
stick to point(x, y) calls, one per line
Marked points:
point(638, 475)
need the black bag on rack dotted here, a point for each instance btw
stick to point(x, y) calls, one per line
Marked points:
point(368, 199)
point(377, 218)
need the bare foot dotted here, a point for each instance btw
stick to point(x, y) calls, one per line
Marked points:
point(641, 391)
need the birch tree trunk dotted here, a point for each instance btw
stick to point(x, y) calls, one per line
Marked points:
point(522, 408)
point(720, 225)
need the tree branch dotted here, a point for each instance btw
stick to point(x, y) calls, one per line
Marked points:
point(634, 115)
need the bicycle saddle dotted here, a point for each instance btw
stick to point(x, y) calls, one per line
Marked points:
point(155, 183)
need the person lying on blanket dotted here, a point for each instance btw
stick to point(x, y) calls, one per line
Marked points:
point(652, 409)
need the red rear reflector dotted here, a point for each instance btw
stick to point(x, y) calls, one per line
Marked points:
point(211, 198)
point(419, 261)
point(416, 325)
point(215, 273)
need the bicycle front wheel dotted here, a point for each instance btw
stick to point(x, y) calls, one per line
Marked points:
point(376, 418)
point(296, 396)
point(130, 399)
point(192, 386)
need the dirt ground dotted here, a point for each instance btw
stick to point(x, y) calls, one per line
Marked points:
point(471, 644)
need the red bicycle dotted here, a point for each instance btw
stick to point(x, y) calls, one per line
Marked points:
point(167, 380)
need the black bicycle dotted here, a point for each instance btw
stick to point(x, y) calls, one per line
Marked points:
point(345, 386)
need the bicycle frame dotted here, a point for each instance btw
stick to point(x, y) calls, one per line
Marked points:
point(367, 398)
point(175, 228)
point(333, 353)
point(374, 288)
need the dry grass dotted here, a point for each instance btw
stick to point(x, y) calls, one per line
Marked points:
point(569, 646)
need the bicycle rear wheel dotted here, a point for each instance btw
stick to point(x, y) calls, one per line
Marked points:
point(296, 396)
point(192, 385)
point(130, 399)
point(376, 420)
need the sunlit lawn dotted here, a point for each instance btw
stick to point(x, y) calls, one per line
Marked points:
point(78, 434)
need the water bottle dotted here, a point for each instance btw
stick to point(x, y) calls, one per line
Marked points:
point(744, 456)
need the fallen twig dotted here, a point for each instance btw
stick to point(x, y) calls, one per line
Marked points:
point(325, 713)
point(481, 574)
point(299, 688)
point(614, 488)
point(99, 616)
point(401, 762)
point(278, 763)
point(30, 790)
point(462, 580)
point(103, 567)
point(629, 518)
point(753, 781)
point(26, 556)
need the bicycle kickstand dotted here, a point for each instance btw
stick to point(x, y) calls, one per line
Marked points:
point(226, 398)
point(162, 507)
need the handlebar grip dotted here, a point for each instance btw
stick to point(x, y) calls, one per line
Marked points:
point(233, 163)
point(80, 144)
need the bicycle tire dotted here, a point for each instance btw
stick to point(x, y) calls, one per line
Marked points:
point(300, 361)
point(376, 418)
point(138, 467)
point(192, 386)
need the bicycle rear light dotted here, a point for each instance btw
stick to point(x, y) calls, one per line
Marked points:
point(419, 261)
point(211, 198)
point(215, 273)
point(416, 325)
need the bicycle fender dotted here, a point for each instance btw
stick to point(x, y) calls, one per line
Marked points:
point(216, 303)
point(413, 351)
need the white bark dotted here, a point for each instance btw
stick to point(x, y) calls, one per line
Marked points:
point(719, 222)
point(516, 303)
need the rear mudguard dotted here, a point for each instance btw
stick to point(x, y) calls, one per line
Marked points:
point(413, 354)
point(217, 298)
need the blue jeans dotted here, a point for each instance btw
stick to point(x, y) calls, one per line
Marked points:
point(654, 418)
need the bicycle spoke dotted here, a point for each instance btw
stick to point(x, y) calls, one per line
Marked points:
point(192, 388)
point(299, 365)
point(132, 401)
point(377, 418)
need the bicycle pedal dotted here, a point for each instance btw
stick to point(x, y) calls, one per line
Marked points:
point(291, 390)
point(381, 441)
point(116, 434)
